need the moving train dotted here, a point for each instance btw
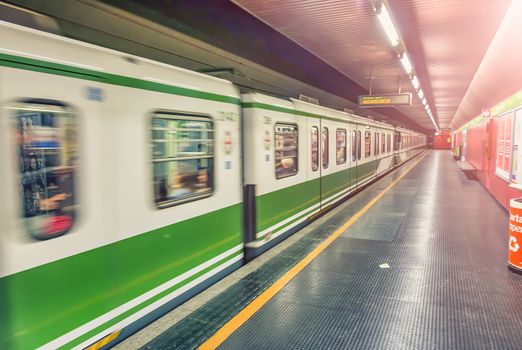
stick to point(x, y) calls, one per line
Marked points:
point(129, 185)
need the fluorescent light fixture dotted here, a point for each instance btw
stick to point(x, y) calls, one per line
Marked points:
point(393, 36)
point(415, 82)
point(406, 63)
point(387, 24)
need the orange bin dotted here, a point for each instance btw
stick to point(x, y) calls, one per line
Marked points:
point(515, 235)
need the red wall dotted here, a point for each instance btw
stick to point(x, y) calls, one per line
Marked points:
point(443, 140)
point(481, 153)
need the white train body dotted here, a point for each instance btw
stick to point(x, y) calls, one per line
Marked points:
point(152, 155)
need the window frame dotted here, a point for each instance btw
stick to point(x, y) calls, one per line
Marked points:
point(367, 146)
point(337, 146)
point(325, 148)
point(296, 149)
point(312, 150)
point(182, 115)
point(354, 145)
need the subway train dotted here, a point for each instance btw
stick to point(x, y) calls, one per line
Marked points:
point(129, 185)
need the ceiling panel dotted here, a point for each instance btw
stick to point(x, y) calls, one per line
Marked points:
point(446, 39)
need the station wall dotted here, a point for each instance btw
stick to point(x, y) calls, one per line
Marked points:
point(491, 145)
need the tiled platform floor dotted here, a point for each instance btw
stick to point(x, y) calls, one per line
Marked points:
point(445, 240)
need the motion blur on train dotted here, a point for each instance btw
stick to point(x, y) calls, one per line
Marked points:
point(130, 185)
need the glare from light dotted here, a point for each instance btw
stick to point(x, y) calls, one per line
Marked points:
point(420, 93)
point(406, 63)
point(424, 102)
point(415, 82)
point(387, 24)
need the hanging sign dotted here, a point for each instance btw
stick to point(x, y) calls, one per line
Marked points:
point(385, 100)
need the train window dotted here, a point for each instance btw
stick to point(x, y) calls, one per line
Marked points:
point(367, 144)
point(286, 148)
point(182, 157)
point(315, 148)
point(388, 142)
point(47, 145)
point(340, 144)
point(359, 144)
point(396, 141)
point(383, 143)
point(325, 148)
point(375, 144)
point(354, 146)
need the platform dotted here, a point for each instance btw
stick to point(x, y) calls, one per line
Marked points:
point(423, 267)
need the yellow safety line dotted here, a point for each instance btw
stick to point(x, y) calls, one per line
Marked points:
point(104, 341)
point(237, 321)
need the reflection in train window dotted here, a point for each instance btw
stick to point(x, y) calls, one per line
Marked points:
point(354, 146)
point(340, 146)
point(325, 148)
point(315, 148)
point(182, 158)
point(286, 156)
point(383, 143)
point(367, 144)
point(47, 137)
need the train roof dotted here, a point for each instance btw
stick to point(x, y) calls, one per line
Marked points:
point(38, 46)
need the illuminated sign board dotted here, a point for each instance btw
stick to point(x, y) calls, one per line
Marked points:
point(387, 100)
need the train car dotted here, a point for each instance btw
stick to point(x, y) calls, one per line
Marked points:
point(121, 189)
point(302, 158)
point(124, 190)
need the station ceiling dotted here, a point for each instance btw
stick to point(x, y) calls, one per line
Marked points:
point(334, 46)
point(445, 39)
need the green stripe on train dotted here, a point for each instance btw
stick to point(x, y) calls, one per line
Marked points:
point(41, 66)
point(278, 206)
point(337, 178)
point(135, 309)
point(48, 301)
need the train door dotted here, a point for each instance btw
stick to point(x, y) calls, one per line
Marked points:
point(352, 154)
point(375, 150)
point(357, 157)
point(314, 169)
point(325, 161)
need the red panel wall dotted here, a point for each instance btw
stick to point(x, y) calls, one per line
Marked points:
point(477, 140)
point(443, 140)
point(481, 152)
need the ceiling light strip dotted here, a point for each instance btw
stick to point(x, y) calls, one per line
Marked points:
point(383, 14)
